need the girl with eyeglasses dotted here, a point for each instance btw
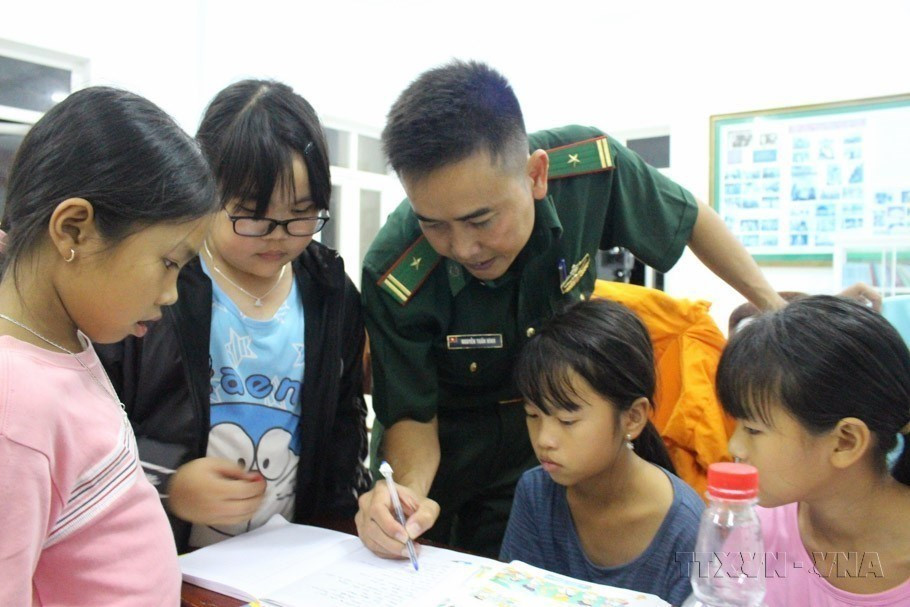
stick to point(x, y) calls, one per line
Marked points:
point(247, 397)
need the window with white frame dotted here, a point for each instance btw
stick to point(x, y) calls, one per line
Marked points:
point(32, 80)
point(364, 192)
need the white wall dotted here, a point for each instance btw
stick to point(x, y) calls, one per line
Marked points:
point(150, 49)
point(620, 66)
point(766, 55)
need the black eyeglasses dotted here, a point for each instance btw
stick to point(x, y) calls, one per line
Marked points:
point(245, 225)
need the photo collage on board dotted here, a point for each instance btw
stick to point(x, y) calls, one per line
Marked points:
point(795, 186)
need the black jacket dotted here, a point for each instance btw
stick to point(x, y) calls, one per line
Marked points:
point(164, 381)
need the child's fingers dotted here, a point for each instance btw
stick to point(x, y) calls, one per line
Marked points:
point(229, 469)
point(242, 489)
point(234, 512)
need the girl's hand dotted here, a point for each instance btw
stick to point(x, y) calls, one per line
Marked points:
point(213, 491)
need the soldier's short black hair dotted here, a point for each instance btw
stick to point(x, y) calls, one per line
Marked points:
point(449, 113)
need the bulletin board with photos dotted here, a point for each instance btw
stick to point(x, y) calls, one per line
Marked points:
point(789, 182)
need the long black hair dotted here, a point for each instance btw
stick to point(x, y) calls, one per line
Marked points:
point(822, 359)
point(115, 149)
point(250, 133)
point(607, 345)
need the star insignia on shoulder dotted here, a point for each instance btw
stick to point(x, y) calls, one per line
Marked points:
point(573, 159)
point(415, 262)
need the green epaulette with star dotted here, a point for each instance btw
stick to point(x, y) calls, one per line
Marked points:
point(589, 156)
point(410, 271)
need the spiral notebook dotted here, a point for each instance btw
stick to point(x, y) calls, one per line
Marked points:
point(285, 565)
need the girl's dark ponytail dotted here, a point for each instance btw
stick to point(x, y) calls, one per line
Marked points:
point(650, 447)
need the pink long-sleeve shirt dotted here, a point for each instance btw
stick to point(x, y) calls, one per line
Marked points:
point(79, 523)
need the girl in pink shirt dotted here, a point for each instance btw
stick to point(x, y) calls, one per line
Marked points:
point(107, 199)
point(821, 390)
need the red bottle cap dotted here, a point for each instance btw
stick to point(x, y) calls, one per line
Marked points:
point(732, 481)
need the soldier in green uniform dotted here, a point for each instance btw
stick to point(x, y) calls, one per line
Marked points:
point(499, 230)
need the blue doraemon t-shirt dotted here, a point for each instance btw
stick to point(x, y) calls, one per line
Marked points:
point(256, 384)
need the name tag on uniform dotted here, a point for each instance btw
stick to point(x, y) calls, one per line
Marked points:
point(470, 342)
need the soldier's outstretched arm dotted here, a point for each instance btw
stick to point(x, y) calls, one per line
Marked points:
point(724, 255)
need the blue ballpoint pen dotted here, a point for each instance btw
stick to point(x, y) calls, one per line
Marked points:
point(386, 470)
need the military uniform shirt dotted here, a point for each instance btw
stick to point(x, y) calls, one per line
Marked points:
point(418, 372)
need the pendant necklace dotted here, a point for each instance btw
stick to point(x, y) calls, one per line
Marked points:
point(257, 300)
point(109, 388)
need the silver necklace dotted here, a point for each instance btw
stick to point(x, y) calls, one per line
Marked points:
point(257, 301)
point(109, 389)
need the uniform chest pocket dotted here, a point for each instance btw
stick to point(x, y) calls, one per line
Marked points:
point(475, 360)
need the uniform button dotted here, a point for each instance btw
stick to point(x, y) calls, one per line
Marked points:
point(530, 332)
point(582, 296)
point(473, 367)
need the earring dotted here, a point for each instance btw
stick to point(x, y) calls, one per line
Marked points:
point(71, 257)
point(629, 444)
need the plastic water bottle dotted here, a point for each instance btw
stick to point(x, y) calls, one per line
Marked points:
point(728, 569)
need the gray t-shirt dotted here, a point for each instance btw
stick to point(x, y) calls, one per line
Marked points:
point(541, 533)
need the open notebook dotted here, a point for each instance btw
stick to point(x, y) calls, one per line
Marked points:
point(286, 565)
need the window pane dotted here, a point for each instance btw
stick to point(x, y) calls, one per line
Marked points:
point(8, 146)
point(329, 234)
point(30, 86)
point(369, 220)
point(369, 155)
point(654, 150)
point(339, 149)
